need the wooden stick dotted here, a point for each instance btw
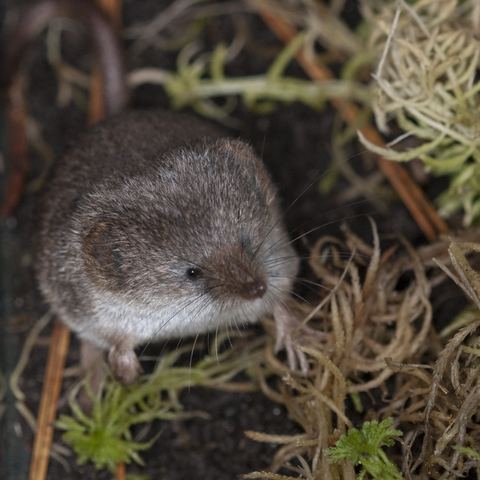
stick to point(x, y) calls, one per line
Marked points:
point(420, 207)
point(121, 473)
point(96, 105)
point(47, 411)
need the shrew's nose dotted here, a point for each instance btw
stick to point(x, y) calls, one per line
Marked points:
point(254, 289)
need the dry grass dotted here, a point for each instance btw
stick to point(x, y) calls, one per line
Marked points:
point(381, 350)
point(369, 325)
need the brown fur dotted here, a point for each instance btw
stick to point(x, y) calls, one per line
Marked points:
point(143, 200)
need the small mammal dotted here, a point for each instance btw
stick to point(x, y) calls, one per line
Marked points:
point(155, 225)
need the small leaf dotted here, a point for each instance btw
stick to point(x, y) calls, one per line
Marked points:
point(365, 448)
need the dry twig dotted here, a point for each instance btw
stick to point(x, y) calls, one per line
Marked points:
point(57, 355)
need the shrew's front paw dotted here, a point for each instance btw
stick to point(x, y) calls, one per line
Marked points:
point(291, 335)
point(124, 365)
point(288, 332)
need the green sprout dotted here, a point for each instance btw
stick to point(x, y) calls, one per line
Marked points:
point(364, 448)
point(104, 436)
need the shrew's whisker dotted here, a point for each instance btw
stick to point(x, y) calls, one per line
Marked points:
point(278, 245)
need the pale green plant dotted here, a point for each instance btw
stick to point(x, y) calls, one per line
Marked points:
point(104, 437)
point(199, 79)
point(426, 83)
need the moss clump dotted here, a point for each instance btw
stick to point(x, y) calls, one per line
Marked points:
point(104, 437)
point(427, 84)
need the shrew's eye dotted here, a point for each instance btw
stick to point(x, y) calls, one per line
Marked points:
point(193, 273)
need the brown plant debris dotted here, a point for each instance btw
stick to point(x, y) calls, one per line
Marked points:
point(375, 353)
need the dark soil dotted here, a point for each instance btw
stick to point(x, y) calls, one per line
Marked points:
point(294, 142)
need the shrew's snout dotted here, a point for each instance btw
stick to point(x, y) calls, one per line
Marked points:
point(253, 290)
point(238, 275)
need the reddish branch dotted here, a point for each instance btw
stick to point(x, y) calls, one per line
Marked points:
point(425, 215)
point(17, 147)
point(47, 411)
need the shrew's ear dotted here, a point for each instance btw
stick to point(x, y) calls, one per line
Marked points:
point(102, 257)
point(245, 152)
point(238, 148)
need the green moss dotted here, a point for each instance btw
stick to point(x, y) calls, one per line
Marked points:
point(104, 437)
